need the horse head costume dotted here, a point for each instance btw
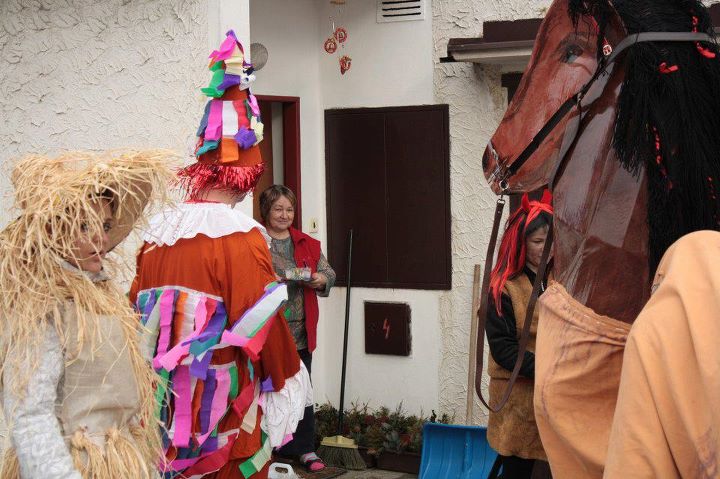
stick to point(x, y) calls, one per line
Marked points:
point(637, 163)
point(618, 112)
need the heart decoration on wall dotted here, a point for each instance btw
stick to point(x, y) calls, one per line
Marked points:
point(338, 38)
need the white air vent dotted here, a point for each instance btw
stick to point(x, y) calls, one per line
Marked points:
point(400, 10)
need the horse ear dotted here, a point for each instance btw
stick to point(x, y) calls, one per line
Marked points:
point(525, 203)
point(546, 197)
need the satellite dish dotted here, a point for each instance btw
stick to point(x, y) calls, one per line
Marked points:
point(258, 55)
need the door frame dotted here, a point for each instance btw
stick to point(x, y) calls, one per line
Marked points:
point(291, 147)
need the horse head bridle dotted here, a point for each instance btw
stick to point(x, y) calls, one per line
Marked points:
point(502, 174)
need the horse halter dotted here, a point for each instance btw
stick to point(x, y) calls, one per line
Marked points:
point(502, 174)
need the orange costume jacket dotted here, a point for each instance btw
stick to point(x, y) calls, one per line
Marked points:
point(234, 386)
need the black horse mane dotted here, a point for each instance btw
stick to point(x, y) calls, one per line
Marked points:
point(680, 108)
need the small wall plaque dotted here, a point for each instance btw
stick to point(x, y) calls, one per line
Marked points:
point(387, 328)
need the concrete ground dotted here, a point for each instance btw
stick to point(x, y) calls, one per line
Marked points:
point(367, 474)
point(376, 474)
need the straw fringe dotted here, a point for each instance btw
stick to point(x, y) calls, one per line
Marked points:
point(122, 457)
point(88, 457)
point(10, 468)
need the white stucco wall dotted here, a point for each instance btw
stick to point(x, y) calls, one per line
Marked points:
point(293, 70)
point(103, 74)
point(477, 103)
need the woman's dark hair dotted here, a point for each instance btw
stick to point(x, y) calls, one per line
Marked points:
point(271, 195)
point(542, 221)
point(528, 218)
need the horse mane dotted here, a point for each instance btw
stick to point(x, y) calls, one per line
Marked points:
point(667, 119)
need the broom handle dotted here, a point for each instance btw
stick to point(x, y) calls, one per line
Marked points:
point(472, 366)
point(341, 414)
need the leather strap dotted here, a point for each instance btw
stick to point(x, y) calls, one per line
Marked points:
point(484, 304)
point(635, 38)
point(484, 292)
point(504, 174)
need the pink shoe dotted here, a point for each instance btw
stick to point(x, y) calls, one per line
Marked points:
point(312, 462)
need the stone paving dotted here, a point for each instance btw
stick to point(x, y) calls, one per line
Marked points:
point(376, 474)
point(370, 474)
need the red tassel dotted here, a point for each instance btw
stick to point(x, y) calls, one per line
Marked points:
point(525, 203)
point(713, 197)
point(658, 159)
point(712, 188)
point(704, 51)
point(546, 197)
point(202, 176)
point(665, 69)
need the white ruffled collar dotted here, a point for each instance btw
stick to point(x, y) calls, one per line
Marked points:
point(188, 220)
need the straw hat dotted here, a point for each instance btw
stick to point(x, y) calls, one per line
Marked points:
point(57, 197)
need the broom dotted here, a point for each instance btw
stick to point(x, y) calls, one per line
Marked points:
point(340, 451)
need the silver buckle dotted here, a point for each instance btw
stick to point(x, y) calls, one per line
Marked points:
point(500, 175)
point(497, 173)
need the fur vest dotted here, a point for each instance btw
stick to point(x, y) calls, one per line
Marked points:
point(512, 431)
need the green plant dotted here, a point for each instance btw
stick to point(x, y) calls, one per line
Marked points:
point(355, 422)
point(325, 422)
point(374, 438)
point(379, 430)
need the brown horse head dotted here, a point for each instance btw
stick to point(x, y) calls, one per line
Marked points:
point(642, 165)
point(564, 58)
point(666, 108)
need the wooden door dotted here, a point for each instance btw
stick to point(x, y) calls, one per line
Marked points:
point(266, 150)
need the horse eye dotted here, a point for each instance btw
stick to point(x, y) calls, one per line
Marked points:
point(572, 53)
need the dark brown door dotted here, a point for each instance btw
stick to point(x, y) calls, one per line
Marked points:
point(266, 150)
point(388, 179)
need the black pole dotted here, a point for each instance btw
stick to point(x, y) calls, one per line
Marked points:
point(341, 413)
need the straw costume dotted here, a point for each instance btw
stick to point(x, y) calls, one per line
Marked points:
point(208, 296)
point(76, 392)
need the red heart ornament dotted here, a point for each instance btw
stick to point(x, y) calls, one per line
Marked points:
point(330, 45)
point(345, 64)
point(340, 35)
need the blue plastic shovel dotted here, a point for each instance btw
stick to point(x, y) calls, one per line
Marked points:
point(456, 451)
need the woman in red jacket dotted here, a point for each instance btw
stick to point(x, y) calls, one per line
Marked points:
point(298, 260)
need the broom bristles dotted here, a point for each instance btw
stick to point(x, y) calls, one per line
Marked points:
point(341, 455)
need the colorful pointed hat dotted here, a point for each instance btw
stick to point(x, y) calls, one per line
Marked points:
point(227, 151)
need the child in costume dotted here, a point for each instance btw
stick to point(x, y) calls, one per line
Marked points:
point(233, 385)
point(512, 431)
point(77, 394)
